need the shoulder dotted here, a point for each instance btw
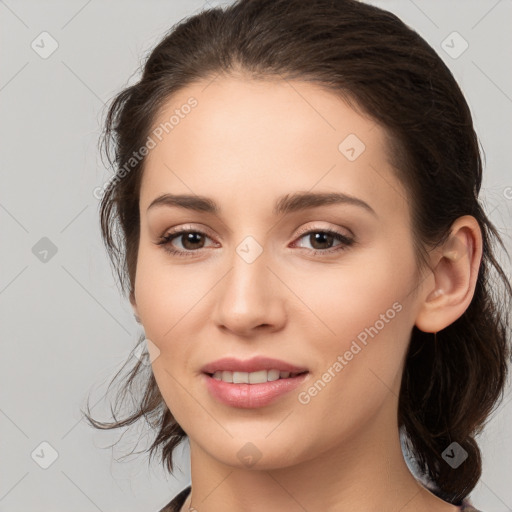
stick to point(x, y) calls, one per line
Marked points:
point(177, 502)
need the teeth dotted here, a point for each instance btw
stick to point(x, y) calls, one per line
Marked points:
point(226, 376)
point(251, 377)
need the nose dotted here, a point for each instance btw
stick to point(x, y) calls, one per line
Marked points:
point(250, 298)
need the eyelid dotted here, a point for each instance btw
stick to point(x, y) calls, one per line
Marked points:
point(308, 229)
point(187, 227)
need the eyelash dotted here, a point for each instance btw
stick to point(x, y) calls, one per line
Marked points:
point(346, 242)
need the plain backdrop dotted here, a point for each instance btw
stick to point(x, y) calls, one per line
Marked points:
point(65, 327)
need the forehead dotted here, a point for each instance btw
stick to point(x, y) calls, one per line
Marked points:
point(249, 140)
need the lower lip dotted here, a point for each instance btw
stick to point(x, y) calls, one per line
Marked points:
point(251, 396)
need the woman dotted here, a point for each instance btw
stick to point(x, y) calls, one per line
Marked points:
point(300, 236)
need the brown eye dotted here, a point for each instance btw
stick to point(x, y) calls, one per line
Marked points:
point(191, 241)
point(321, 241)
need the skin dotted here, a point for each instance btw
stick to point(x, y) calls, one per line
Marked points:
point(245, 144)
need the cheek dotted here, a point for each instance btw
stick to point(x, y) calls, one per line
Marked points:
point(166, 294)
point(172, 301)
point(360, 371)
point(369, 315)
point(165, 298)
point(363, 298)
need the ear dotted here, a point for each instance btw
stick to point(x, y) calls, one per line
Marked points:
point(455, 271)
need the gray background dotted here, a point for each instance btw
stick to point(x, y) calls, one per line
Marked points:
point(65, 328)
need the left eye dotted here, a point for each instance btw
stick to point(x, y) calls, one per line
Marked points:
point(323, 237)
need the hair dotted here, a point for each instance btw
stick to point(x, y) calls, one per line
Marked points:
point(452, 382)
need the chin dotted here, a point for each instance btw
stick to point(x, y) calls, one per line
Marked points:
point(258, 453)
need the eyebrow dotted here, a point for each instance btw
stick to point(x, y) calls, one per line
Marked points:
point(288, 203)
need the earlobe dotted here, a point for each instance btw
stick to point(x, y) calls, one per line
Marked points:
point(455, 274)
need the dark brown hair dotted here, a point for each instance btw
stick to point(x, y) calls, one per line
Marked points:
point(369, 57)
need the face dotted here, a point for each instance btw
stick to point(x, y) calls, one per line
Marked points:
point(325, 286)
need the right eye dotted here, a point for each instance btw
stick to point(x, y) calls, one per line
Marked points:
point(189, 238)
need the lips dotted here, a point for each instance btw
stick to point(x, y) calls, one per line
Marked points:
point(254, 364)
point(252, 396)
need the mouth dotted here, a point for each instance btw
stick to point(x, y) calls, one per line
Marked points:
point(258, 377)
point(252, 390)
point(252, 383)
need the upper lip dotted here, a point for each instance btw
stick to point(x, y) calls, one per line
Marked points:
point(254, 364)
